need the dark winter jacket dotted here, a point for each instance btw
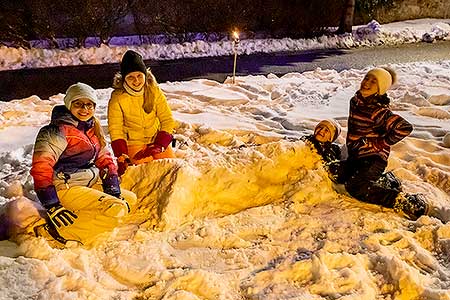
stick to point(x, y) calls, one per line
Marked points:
point(373, 128)
point(68, 153)
point(329, 151)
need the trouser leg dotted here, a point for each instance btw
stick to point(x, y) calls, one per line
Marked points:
point(361, 183)
point(97, 212)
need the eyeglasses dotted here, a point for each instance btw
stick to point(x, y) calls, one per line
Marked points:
point(79, 104)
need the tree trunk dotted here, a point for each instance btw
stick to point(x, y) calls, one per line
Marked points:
point(347, 17)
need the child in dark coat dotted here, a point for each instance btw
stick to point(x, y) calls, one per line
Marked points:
point(323, 141)
point(325, 133)
point(372, 129)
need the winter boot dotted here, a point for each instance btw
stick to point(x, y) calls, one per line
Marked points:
point(390, 181)
point(412, 206)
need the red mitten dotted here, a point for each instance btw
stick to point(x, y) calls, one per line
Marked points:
point(120, 149)
point(163, 139)
point(121, 167)
point(149, 150)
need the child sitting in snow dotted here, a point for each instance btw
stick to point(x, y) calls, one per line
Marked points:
point(372, 129)
point(69, 157)
point(325, 133)
point(140, 120)
point(323, 140)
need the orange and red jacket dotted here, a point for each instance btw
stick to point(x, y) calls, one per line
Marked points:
point(63, 149)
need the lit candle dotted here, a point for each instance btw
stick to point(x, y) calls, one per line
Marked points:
point(235, 45)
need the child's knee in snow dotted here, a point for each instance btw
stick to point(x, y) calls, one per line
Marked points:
point(114, 207)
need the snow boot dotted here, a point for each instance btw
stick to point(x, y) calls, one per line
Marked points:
point(412, 206)
point(390, 181)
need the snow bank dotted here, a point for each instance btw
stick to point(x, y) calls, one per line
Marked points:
point(371, 34)
point(226, 182)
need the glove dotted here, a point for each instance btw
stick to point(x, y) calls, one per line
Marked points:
point(122, 167)
point(162, 141)
point(149, 150)
point(60, 216)
point(111, 185)
point(120, 149)
point(48, 196)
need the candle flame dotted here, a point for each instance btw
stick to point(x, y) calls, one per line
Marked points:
point(236, 34)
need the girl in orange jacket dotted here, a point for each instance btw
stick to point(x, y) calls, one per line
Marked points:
point(74, 175)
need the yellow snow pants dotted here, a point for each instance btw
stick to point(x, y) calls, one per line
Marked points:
point(97, 211)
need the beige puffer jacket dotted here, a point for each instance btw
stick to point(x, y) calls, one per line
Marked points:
point(127, 119)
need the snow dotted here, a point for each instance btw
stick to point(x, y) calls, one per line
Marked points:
point(246, 210)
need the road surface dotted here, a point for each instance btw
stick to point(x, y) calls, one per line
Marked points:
point(45, 82)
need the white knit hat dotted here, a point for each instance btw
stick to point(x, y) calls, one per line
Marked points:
point(77, 91)
point(332, 126)
point(385, 77)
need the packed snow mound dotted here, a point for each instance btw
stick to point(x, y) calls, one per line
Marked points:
point(446, 140)
point(176, 191)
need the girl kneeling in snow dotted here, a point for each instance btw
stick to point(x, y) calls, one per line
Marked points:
point(372, 129)
point(140, 121)
point(69, 157)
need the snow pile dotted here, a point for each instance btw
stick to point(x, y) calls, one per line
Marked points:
point(438, 32)
point(226, 182)
point(371, 34)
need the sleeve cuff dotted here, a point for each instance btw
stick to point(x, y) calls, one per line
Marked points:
point(48, 196)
